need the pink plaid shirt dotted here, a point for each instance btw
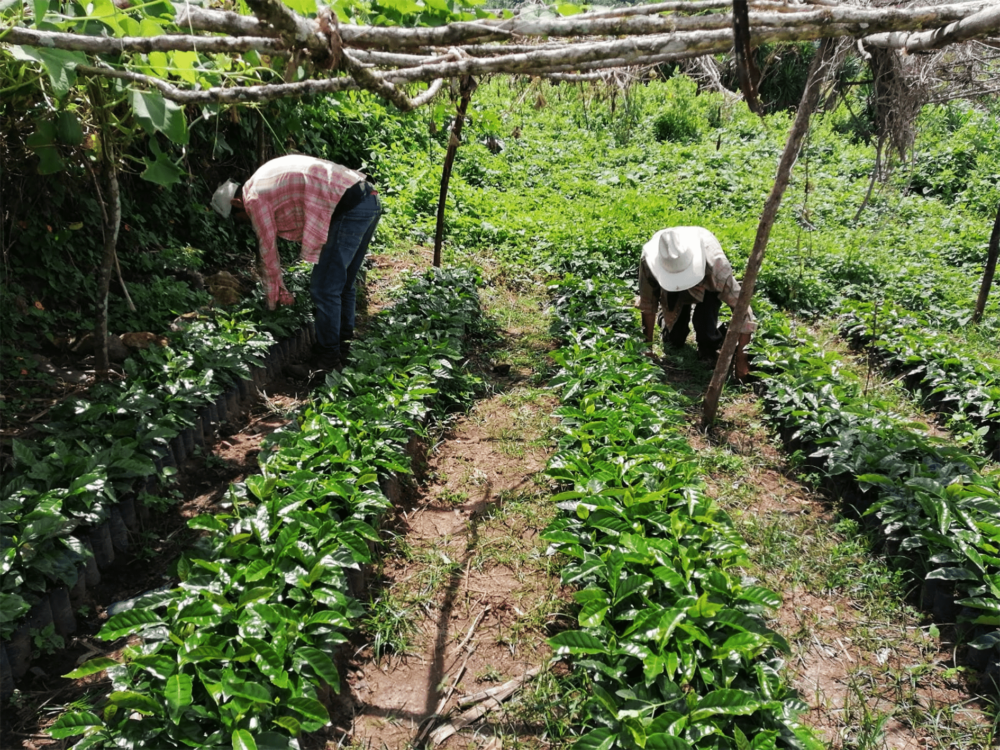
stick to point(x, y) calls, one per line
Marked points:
point(293, 197)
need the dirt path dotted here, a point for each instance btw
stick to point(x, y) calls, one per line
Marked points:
point(466, 594)
point(871, 668)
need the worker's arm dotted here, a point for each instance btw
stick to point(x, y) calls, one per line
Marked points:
point(267, 235)
point(647, 301)
point(648, 325)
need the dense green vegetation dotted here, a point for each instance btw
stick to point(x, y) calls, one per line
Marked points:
point(671, 635)
point(586, 175)
point(237, 653)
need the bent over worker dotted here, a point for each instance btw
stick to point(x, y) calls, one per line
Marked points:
point(685, 276)
point(333, 212)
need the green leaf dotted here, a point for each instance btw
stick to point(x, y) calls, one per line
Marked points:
point(592, 614)
point(235, 685)
point(157, 114)
point(666, 742)
point(260, 486)
point(726, 701)
point(952, 574)
point(59, 64)
point(207, 523)
point(272, 741)
point(177, 693)
point(184, 65)
point(256, 570)
point(243, 740)
point(329, 617)
point(314, 712)
point(599, 739)
point(576, 642)
point(73, 723)
point(42, 142)
point(92, 667)
point(128, 623)
point(159, 665)
point(290, 723)
point(201, 653)
point(322, 665)
point(133, 701)
point(986, 641)
point(68, 130)
point(302, 7)
point(160, 170)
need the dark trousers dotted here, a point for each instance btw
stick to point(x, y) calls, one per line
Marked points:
point(333, 276)
point(706, 325)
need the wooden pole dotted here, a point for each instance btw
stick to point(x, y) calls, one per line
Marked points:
point(111, 221)
point(468, 86)
point(749, 75)
point(991, 267)
point(817, 72)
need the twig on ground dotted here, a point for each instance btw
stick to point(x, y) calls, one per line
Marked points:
point(429, 721)
point(489, 700)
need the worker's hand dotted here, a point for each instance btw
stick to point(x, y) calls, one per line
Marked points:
point(284, 298)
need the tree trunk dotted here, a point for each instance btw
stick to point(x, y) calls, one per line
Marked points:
point(749, 75)
point(467, 88)
point(991, 267)
point(810, 97)
point(111, 220)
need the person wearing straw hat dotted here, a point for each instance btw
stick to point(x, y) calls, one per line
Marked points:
point(684, 277)
point(332, 211)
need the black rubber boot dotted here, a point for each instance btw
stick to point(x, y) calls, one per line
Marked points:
point(327, 360)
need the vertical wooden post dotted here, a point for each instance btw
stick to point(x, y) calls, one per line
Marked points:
point(112, 214)
point(468, 86)
point(817, 72)
point(746, 68)
point(991, 267)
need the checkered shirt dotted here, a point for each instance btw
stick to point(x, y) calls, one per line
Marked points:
point(293, 197)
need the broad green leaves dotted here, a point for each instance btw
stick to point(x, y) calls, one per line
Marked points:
point(672, 640)
point(157, 114)
point(59, 65)
point(928, 498)
point(243, 645)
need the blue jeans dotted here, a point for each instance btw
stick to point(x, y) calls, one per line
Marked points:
point(333, 276)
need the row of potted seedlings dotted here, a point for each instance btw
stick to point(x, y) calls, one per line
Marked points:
point(933, 506)
point(671, 634)
point(75, 496)
point(948, 377)
point(242, 651)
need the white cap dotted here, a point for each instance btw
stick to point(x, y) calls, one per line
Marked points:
point(222, 196)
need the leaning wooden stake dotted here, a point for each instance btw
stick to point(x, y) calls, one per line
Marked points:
point(991, 267)
point(817, 72)
point(466, 89)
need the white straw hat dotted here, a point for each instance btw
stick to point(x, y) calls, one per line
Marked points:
point(222, 196)
point(676, 258)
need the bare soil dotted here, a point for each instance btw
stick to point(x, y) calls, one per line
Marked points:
point(470, 566)
point(867, 674)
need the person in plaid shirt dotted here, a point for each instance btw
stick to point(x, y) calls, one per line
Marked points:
point(684, 269)
point(332, 211)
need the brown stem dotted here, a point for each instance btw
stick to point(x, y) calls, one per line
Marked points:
point(817, 73)
point(111, 220)
point(876, 170)
point(749, 75)
point(468, 86)
point(991, 267)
